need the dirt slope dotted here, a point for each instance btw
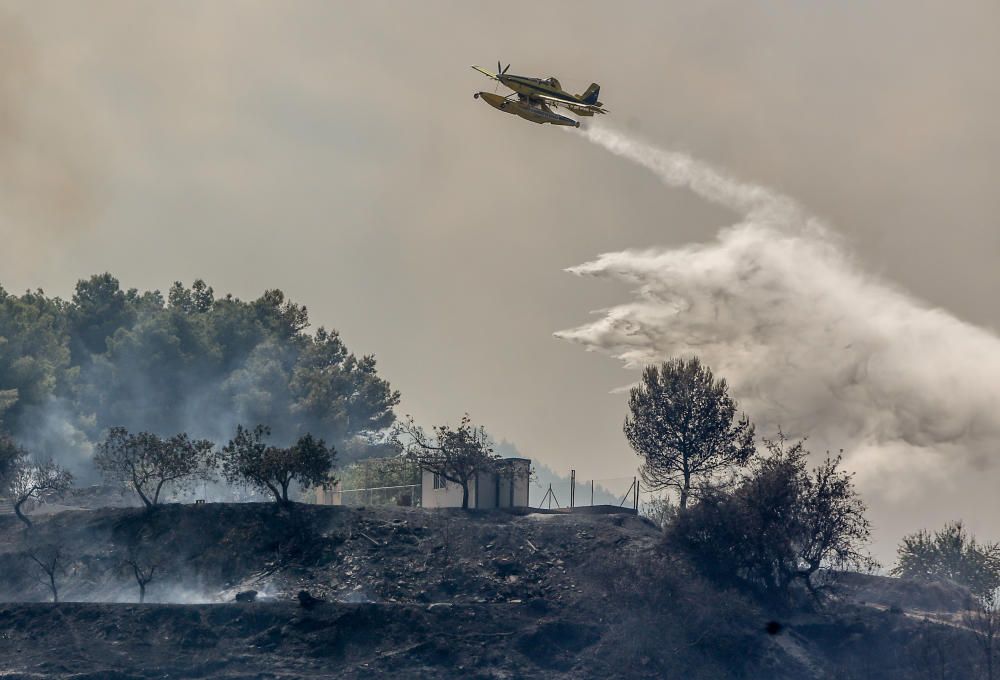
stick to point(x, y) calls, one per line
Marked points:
point(406, 593)
point(207, 553)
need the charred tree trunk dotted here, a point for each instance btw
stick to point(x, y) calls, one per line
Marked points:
point(20, 515)
point(145, 499)
point(142, 578)
point(156, 494)
point(273, 489)
point(686, 488)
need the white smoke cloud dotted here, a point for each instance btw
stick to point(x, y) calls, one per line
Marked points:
point(808, 341)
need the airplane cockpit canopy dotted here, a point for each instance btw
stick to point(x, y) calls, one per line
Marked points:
point(554, 82)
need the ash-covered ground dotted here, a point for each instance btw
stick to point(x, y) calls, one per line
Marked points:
point(403, 593)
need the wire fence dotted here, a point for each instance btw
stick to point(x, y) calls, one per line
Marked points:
point(560, 492)
point(549, 491)
point(406, 495)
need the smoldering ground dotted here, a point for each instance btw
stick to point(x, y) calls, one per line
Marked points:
point(196, 554)
point(810, 342)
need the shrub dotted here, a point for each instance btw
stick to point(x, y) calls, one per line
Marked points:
point(951, 554)
point(781, 525)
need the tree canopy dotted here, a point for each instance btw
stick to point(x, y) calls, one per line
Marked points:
point(683, 423)
point(147, 462)
point(950, 554)
point(780, 525)
point(189, 362)
point(248, 459)
point(30, 480)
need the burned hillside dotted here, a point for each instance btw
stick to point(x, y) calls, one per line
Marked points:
point(210, 551)
point(409, 592)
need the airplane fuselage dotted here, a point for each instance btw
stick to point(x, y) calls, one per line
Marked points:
point(536, 113)
point(532, 86)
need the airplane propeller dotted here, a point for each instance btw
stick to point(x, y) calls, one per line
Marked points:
point(500, 72)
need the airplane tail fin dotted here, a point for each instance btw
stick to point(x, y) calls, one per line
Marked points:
point(590, 96)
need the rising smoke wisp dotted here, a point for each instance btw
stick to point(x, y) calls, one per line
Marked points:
point(809, 342)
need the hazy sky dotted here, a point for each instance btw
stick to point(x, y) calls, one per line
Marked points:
point(335, 151)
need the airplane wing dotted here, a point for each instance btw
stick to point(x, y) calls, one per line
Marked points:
point(581, 109)
point(486, 73)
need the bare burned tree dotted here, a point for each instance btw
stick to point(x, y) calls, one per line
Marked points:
point(32, 480)
point(139, 560)
point(683, 423)
point(982, 617)
point(660, 510)
point(143, 572)
point(247, 459)
point(51, 561)
point(148, 463)
point(455, 454)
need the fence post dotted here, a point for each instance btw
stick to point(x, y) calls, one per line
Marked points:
point(572, 489)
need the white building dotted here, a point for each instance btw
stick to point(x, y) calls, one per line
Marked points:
point(506, 489)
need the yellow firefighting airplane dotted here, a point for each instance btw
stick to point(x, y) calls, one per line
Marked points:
point(533, 97)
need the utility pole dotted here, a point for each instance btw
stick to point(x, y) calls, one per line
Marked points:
point(572, 489)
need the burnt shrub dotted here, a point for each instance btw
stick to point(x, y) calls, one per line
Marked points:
point(782, 525)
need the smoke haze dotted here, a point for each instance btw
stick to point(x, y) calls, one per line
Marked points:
point(809, 342)
point(49, 178)
point(334, 150)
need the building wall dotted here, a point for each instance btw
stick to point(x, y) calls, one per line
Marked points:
point(448, 497)
point(523, 467)
point(486, 491)
point(484, 495)
point(505, 499)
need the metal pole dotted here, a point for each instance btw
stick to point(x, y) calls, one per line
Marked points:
point(635, 480)
point(592, 492)
point(572, 488)
point(550, 495)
